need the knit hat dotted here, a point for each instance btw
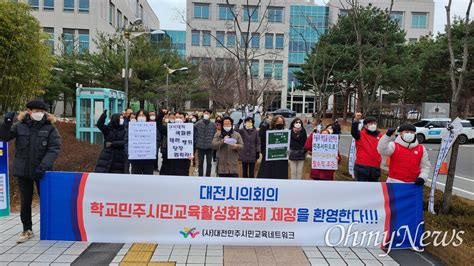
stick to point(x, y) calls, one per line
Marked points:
point(37, 104)
point(406, 126)
point(369, 119)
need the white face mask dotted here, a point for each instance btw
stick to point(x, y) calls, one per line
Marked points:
point(121, 121)
point(167, 120)
point(133, 120)
point(179, 120)
point(227, 128)
point(141, 119)
point(297, 125)
point(372, 127)
point(206, 117)
point(37, 116)
point(408, 137)
point(193, 120)
point(152, 117)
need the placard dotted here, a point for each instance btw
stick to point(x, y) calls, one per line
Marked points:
point(180, 140)
point(278, 145)
point(4, 188)
point(142, 141)
point(325, 151)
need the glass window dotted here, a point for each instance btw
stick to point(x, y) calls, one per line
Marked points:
point(50, 40)
point(48, 5)
point(206, 38)
point(119, 18)
point(267, 69)
point(243, 40)
point(111, 13)
point(418, 20)
point(278, 70)
point(231, 39)
point(125, 22)
point(251, 12)
point(279, 41)
point(69, 5)
point(195, 38)
point(421, 123)
point(254, 68)
point(83, 41)
point(84, 6)
point(275, 14)
point(34, 4)
point(225, 12)
point(269, 41)
point(68, 40)
point(255, 42)
point(397, 16)
point(201, 11)
point(220, 36)
point(141, 13)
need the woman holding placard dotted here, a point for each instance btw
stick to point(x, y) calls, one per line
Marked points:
point(320, 174)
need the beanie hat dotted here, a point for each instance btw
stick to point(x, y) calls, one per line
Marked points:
point(37, 104)
point(369, 119)
point(406, 126)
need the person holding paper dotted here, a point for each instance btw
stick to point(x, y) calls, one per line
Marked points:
point(409, 161)
point(251, 151)
point(272, 169)
point(227, 143)
point(367, 164)
point(319, 174)
point(178, 167)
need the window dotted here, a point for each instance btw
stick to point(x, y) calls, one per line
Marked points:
point(119, 18)
point(397, 16)
point(279, 41)
point(125, 22)
point(225, 12)
point(269, 41)
point(84, 6)
point(83, 41)
point(48, 5)
point(251, 12)
point(220, 36)
point(201, 11)
point(243, 40)
point(418, 20)
point(412, 40)
point(254, 68)
point(50, 40)
point(278, 70)
point(137, 9)
point(141, 13)
point(195, 38)
point(343, 12)
point(68, 40)
point(255, 41)
point(34, 4)
point(421, 123)
point(111, 13)
point(231, 39)
point(68, 5)
point(206, 38)
point(275, 14)
point(267, 69)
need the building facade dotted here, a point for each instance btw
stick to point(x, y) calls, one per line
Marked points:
point(178, 40)
point(75, 23)
point(416, 17)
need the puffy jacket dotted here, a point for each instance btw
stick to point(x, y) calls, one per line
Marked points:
point(37, 144)
point(114, 158)
point(251, 147)
point(204, 131)
point(228, 157)
point(297, 142)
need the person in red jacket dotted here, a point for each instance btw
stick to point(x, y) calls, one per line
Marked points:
point(409, 161)
point(319, 174)
point(367, 164)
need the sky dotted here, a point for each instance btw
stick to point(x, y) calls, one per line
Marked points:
point(169, 12)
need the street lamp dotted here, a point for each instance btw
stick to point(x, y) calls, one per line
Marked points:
point(130, 34)
point(170, 72)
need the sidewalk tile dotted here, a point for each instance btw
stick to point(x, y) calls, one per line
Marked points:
point(365, 256)
point(214, 264)
point(63, 244)
point(195, 264)
point(27, 257)
point(215, 252)
point(318, 262)
point(4, 249)
point(179, 252)
point(178, 258)
point(182, 246)
point(118, 259)
point(314, 254)
point(18, 249)
point(66, 258)
point(196, 259)
point(47, 258)
point(160, 258)
point(326, 249)
point(193, 247)
point(165, 246)
point(390, 263)
point(74, 251)
point(162, 252)
point(372, 262)
point(197, 252)
point(55, 251)
point(348, 255)
point(217, 247)
point(60, 264)
point(352, 262)
point(336, 262)
point(8, 257)
point(310, 248)
point(123, 251)
point(39, 264)
point(138, 256)
point(331, 255)
point(46, 243)
point(214, 260)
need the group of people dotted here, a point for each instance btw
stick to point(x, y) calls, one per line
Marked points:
point(38, 145)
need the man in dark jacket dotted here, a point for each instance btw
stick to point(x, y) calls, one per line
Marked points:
point(204, 131)
point(37, 147)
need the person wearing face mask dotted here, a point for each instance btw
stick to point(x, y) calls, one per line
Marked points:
point(297, 152)
point(132, 118)
point(409, 161)
point(272, 169)
point(367, 164)
point(113, 158)
point(227, 143)
point(163, 120)
point(251, 150)
point(204, 132)
point(146, 166)
point(178, 167)
point(37, 146)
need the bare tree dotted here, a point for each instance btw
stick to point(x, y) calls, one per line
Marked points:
point(456, 76)
point(219, 78)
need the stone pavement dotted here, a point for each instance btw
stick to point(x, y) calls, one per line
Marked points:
point(36, 252)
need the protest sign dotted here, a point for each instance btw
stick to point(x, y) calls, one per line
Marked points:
point(180, 140)
point(142, 140)
point(325, 151)
point(278, 145)
point(4, 188)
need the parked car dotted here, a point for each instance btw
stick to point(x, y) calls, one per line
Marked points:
point(470, 119)
point(287, 113)
point(434, 128)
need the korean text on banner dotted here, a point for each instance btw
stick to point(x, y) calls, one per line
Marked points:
point(4, 188)
point(180, 140)
point(142, 140)
point(227, 211)
point(325, 151)
point(278, 145)
point(352, 157)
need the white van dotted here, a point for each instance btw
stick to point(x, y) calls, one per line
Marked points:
point(433, 129)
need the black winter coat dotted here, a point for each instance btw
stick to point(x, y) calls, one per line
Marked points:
point(112, 159)
point(37, 144)
point(297, 142)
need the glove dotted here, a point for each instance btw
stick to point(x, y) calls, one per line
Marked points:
point(8, 119)
point(390, 131)
point(39, 172)
point(419, 181)
point(108, 144)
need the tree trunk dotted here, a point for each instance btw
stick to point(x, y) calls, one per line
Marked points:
point(344, 105)
point(334, 109)
point(448, 189)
